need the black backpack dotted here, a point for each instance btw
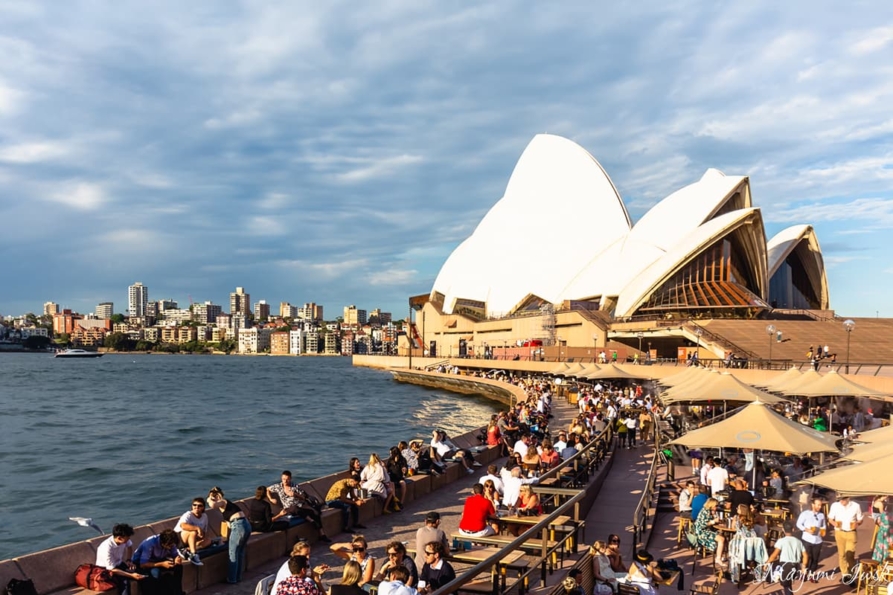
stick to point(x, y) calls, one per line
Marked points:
point(19, 587)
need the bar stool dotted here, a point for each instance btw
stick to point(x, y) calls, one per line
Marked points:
point(865, 569)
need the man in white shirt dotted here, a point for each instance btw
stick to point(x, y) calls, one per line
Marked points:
point(193, 529)
point(717, 479)
point(522, 445)
point(114, 553)
point(813, 525)
point(845, 516)
point(705, 469)
point(398, 576)
point(561, 444)
point(513, 485)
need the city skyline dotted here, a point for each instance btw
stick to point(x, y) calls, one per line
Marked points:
point(340, 153)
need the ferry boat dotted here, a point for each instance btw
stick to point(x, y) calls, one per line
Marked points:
point(78, 353)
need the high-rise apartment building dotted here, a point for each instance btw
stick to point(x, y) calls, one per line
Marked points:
point(50, 309)
point(354, 316)
point(286, 310)
point(261, 311)
point(137, 299)
point(379, 317)
point(311, 311)
point(206, 313)
point(105, 310)
point(239, 302)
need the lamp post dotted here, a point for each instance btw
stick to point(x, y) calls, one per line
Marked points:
point(639, 335)
point(848, 326)
point(770, 330)
point(409, 334)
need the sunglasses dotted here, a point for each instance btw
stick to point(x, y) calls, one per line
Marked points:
point(359, 548)
point(198, 505)
point(615, 541)
point(429, 553)
point(393, 554)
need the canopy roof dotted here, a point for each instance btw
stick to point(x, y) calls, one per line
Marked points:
point(833, 384)
point(757, 426)
point(860, 479)
point(781, 379)
point(559, 369)
point(796, 382)
point(865, 453)
point(879, 435)
point(576, 370)
point(717, 388)
point(611, 371)
point(684, 376)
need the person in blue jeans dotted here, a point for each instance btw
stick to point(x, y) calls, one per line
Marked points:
point(239, 530)
point(339, 496)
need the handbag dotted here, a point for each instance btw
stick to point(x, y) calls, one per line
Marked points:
point(94, 578)
point(20, 587)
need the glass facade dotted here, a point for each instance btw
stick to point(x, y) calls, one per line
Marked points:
point(790, 286)
point(717, 278)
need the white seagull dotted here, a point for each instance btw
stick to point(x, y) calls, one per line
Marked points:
point(85, 522)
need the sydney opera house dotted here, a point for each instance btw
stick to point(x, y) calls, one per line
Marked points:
point(558, 259)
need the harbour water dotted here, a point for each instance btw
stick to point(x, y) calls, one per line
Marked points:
point(133, 438)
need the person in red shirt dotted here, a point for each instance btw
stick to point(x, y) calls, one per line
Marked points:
point(476, 515)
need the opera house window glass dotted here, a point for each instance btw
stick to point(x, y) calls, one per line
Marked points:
point(717, 278)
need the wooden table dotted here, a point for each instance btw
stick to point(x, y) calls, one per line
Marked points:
point(557, 524)
point(514, 561)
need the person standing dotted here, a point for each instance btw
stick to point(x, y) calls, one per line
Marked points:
point(883, 539)
point(845, 516)
point(425, 535)
point(239, 530)
point(791, 554)
point(813, 524)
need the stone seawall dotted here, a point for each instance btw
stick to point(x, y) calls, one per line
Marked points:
point(493, 389)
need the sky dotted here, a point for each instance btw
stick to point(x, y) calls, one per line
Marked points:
point(338, 152)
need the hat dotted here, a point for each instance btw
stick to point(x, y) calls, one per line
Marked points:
point(432, 517)
point(644, 557)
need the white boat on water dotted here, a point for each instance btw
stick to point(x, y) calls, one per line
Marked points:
point(78, 353)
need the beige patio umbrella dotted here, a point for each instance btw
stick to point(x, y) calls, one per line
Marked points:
point(860, 479)
point(610, 371)
point(781, 379)
point(720, 388)
point(807, 377)
point(865, 453)
point(833, 384)
point(693, 382)
point(575, 370)
point(684, 376)
point(560, 369)
point(884, 434)
point(758, 426)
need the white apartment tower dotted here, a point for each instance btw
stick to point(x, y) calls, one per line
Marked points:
point(105, 310)
point(137, 299)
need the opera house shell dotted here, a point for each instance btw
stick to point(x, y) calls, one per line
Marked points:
point(561, 233)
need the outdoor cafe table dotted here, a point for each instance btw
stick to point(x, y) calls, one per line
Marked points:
point(558, 523)
point(514, 560)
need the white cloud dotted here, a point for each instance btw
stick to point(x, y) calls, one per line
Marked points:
point(10, 99)
point(233, 120)
point(83, 196)
point(389, 277)
point(378, 168)
point(873, 40)
point(266, 226)
point(33, 152)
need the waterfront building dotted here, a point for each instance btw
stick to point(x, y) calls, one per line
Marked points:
point(254, 340)
point(202, 333)
point(186, 334)
point(279, 343)
point(239, 302)
point(177, 316)
point(206, 313)
point(64, 321)
point(296, 341)
point(699, 253)
point(354, 317)
point(105, 310)
point(218, 334)
point(137, 299)
point(311, 342)
point(151, 334)
point(261, 311)
point(34, 331)
point(332, 344)
point(50, 308)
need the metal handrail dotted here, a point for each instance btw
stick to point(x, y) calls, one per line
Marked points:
point(471, 574)
point(640, 516)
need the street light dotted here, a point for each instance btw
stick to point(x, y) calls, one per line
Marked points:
point(770, 330)
point(640, 334)
point(848, 326)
